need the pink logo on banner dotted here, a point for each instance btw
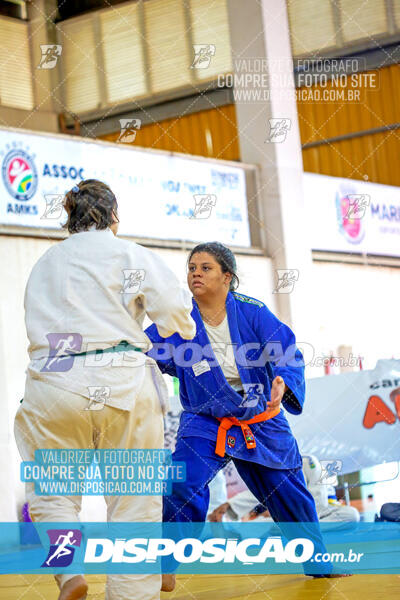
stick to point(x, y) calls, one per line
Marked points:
point(351, 226)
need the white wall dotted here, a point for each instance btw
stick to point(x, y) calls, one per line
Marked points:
point(357, 306)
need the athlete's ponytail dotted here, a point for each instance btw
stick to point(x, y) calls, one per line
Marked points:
point(91, 202)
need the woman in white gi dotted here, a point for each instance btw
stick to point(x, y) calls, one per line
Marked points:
point(92, 291)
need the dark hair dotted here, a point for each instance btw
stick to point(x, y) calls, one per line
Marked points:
point(91, 202)
point(224, 257)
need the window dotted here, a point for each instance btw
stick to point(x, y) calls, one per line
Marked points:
point(79, 65)
point(16, 88)
point(135, 49)
point(322, 27)
point(122, 45)
point(311, 26)
point(361, 19)
point(169, 56)
point(209, 25)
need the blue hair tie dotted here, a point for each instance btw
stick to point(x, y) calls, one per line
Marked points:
point(75, 189)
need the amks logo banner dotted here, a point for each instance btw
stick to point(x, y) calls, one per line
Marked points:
point(19, 174)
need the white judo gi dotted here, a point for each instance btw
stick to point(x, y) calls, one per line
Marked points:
point(328, 510)
point(91, 291)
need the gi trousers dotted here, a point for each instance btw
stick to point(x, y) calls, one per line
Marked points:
point(51, 418)
point(282, 491)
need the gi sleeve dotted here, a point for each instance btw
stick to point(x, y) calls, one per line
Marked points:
point(162, 351)
point(285, 358)
point(164, 300)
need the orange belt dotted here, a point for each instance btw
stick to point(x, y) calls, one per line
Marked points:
point(227, 422)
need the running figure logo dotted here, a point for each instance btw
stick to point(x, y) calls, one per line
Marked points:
point(98, 397)
point(132, 280)
point(50, 55)
point(63, 346)
point(202, 55)
point(129, 129)
point(252, 393)
point(286, 280)
point(357, 205)
point(330, 470)
point(203, 205)
point(54, 206)
point(278, 129)
point(62, 547)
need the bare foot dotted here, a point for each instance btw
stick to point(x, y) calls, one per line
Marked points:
point(168, 582)
point(74, 589)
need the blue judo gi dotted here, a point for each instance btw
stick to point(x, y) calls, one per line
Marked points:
point(264, 348)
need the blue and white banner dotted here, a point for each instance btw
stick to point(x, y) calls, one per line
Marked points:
point(160, 195)
point(198, 548)
point(352, 419)
point(348, 215)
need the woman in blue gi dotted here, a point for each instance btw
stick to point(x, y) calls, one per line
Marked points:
point(232, 399)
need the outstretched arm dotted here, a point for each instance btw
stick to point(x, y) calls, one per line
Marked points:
point(163, 298)
point(162, 351)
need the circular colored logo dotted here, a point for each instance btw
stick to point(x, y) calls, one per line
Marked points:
point(19, 175)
